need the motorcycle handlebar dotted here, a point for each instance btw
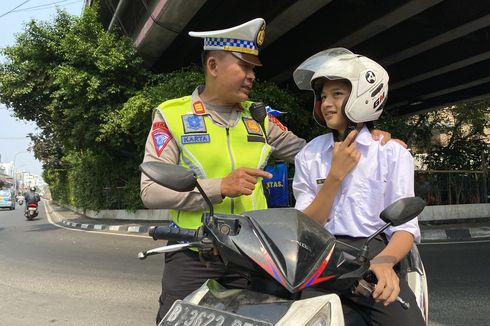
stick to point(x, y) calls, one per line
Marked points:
point(366, 288)
point(168, 233)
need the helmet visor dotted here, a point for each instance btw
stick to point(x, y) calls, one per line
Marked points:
point(305, 71)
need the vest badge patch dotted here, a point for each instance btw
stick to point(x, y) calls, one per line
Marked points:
point(252, 126)
point(159, 125)
point(198, 108)
point(276, 121)
point(161, 138)
point(193, 123)
point(195, 139)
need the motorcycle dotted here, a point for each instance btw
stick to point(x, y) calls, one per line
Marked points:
point(20, 200)
point(31, 211)
point(282, 252)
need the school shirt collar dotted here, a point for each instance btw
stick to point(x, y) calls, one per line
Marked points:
point(364, 137)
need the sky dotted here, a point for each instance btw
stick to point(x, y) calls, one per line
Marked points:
point(14, 143)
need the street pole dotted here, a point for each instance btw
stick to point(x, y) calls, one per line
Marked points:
point(485, 171)
point(14, 172)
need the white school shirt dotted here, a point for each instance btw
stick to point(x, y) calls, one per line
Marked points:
point(383, 175)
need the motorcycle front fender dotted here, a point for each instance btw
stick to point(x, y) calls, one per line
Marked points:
point(323, 310)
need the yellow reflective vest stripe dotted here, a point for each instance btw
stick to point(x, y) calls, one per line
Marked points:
point(212, 151)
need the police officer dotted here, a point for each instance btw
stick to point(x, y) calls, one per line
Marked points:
point(213, 133)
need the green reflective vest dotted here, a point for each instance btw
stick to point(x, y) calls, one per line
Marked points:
point(212, 151)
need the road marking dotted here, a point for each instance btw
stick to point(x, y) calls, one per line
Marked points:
point(48, 214)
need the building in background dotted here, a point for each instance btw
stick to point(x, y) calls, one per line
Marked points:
point(6, 175)
point(21, 181)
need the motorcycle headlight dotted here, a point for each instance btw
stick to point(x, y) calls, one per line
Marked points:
point(324, 310)
point(322, 318)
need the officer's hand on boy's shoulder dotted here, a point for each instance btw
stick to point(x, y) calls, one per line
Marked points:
point(241, 181)
point(384, 137)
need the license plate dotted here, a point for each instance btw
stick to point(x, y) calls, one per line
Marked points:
point(187, 314)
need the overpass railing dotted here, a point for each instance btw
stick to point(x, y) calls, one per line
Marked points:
point(452, 187)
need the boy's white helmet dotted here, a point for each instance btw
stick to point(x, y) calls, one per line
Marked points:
point(368, 79)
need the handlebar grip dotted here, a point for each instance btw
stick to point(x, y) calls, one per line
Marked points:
point(168, 233)
point(370, 277)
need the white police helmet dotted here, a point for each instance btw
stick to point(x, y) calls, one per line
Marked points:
point(243, 41)
point(369, 82)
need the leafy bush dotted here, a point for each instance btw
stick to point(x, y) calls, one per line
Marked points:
point(133, 119)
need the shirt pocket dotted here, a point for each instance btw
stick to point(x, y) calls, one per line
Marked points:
point(369, 197)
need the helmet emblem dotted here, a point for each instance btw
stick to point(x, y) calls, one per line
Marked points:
point(260, 36)
point(370, 77)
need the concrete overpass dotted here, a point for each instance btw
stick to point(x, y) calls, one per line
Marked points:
point(437, 52)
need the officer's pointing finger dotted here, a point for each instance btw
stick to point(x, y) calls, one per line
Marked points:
point(258, 173)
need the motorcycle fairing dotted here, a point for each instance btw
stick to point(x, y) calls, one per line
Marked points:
point(299, 249)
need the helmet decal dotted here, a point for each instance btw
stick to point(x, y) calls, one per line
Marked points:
point(370, 77)
point(378, 101)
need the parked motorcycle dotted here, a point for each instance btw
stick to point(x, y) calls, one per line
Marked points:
point(31, 211)
point(282, 252)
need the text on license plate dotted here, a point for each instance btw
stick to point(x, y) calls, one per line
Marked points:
point(186, 314)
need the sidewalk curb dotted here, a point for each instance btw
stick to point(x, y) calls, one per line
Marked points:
point(441, 233)
point(426, 235)
point(106, 227)
point(453, 234)
point(124, 228)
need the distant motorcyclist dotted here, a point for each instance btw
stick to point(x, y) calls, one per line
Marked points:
point(31, 197)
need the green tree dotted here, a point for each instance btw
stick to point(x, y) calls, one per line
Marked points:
point(453, 138)
point(68, 75)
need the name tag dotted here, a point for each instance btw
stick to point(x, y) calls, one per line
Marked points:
point(194, 139)
point(255, 139)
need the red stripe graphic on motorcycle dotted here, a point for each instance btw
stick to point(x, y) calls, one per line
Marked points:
point(314, 279)
point(269, 266)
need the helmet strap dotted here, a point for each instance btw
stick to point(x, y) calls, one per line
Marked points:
point(350, 125)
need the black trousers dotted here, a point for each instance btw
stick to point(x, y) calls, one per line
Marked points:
point(359, 310)
point(184, 273)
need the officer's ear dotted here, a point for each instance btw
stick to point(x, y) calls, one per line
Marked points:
point(211, 65)
point(213, 61)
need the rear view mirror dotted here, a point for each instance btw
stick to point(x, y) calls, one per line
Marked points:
point(172, 176)
point(403, 210)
